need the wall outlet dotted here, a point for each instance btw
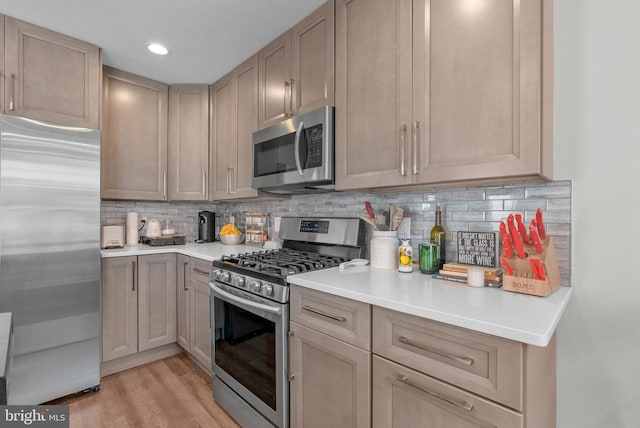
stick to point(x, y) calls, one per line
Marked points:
point(276, 224)
point(232, 219)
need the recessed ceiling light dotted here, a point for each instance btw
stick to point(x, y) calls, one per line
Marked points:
point(157, 48)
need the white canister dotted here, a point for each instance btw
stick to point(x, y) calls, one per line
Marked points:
point(132, 228)
point(383, 250)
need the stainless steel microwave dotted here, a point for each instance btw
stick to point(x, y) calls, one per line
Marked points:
point(297, 155)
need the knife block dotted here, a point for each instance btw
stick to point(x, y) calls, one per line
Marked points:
point(523, 279)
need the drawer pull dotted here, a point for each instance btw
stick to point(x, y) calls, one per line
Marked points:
point(462, 404)
point(463, 360)
point(324, 314)
point(196, 270)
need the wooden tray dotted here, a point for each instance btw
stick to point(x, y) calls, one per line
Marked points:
point(523, 280)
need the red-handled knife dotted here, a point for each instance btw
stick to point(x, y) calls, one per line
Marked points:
point(370, 212)
point(534, 268)
point(517, 241)
point(535, 239)
point(506, 240)
point(522, 229)
point(506, 266)
point(542, 232)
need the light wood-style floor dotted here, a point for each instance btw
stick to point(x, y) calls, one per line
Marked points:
point(171, 393)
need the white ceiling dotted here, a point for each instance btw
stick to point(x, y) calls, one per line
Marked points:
point(205, 38)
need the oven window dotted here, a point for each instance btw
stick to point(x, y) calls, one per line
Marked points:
point(245, 348)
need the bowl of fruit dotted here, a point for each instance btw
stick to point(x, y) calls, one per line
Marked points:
point(231, 235)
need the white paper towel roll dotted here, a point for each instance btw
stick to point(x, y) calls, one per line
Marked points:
point(132, 229)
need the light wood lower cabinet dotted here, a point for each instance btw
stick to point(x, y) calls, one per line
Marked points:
point(330, 381)
point(194, 322)
point(138, 304)
point(406, 398)
point(330, 360)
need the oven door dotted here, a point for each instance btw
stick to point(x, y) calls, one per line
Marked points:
point(249, 349)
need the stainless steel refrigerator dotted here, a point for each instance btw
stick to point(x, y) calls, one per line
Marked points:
point(50, 256)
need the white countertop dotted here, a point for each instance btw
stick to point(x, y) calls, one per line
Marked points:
point(519, 317)
point(206, 251)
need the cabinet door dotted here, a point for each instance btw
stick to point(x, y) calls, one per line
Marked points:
point(223, 140)
point(330, 386)
point(246, 95)
point(200, 322)
point(119, 307)
point(373, 93)
point(275, 81)
point(134, 137)
point(478, 90)
point(405, 398)
point(51, 77)
point(156, 300)
point(188, 155)
point(183, 300)
point(312, 62)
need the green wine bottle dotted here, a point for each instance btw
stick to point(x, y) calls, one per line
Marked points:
point(438, 236)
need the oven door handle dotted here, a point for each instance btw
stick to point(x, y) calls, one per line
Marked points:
point(296, 147)
point(235, 299)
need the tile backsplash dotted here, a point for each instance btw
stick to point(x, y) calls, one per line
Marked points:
point(463, 209)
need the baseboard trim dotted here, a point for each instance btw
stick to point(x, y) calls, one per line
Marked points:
point(130, 361)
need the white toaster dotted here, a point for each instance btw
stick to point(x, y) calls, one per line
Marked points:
point(112, 236)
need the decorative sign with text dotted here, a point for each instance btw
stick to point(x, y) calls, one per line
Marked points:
point(478, 248)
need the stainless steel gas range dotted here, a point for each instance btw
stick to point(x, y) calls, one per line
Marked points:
point(250, 314)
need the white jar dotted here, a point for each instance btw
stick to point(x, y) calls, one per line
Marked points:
point(383, 250)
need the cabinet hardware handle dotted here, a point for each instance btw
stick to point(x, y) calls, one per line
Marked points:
point(463, 360)
point(292, 377)
point(463, 404)
point(324, 314)
point(13, 92)
point(233, 180)
point(195, 269)
point(402, 144)
point(185, 286)
point(135, 276)
point(228, 183)
point(204, 184)
point(164, 184)
point(291, 98)
point(416, 129)
point(286, 87)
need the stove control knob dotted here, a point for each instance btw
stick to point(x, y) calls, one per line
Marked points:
point(219, 275)
point(240, 281)
point(255, 286)
point(226, 276)
point(267, 289)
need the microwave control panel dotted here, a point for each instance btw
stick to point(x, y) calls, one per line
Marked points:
point(314, 146)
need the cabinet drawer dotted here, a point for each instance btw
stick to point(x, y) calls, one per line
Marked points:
point(477, 362)
point(200, 270)
point(344, 319)
point(405, 398)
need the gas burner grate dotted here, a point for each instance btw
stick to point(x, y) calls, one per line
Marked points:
point(282, 262)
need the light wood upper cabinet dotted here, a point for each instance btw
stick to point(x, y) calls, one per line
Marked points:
point(297, 68)
point(49, 76)
point(456, 93)
point(313, 60)
point(373, 92)
point(119, 307)
point(234, 109)
point(188, 147)
point(134, 137)
point(156, 300)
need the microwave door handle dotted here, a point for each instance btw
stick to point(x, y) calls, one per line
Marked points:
point(297, 148)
